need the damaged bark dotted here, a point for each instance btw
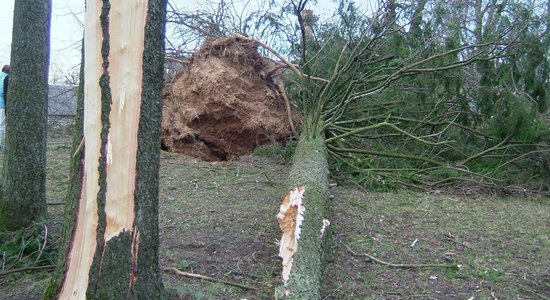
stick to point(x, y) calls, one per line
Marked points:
point(303, 218)
point(113, 246)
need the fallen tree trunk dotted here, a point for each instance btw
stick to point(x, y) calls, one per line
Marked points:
point(303, 220)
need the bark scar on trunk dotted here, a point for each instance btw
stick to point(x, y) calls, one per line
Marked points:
point(126, 83)
point(135, 250)
point(290, 218)
point(83, 248)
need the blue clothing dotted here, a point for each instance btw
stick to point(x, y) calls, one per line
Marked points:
point(2, 100)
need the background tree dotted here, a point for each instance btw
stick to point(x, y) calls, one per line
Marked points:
point(23, 190)
point(112, 244)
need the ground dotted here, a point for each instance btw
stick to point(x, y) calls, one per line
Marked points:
point(218, 219)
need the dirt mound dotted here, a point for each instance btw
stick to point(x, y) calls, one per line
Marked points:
point(222, 105)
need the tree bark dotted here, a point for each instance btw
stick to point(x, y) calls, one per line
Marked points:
point(416, 20)
point(113, 251)
point(73, 191)
point(309, 174)
point(23, 191)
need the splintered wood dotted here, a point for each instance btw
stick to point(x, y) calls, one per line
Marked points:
point(83, 248)
point(125, 71)
point(290, 218)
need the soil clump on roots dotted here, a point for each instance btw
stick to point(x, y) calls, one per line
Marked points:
point(225, 103)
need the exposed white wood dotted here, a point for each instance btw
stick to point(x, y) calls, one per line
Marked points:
point(126, 29)
point(290, 218)
point(84, 245)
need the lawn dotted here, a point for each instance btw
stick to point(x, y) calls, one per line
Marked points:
point(218, 220)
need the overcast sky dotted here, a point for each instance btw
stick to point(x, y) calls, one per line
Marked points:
point(66, 30)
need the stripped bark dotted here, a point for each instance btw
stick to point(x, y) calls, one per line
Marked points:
point(73, 190)
point(304, 219)
point(113, 251)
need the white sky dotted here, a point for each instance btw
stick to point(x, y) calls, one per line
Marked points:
point(66, 30)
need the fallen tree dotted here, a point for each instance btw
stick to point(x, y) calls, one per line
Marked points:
point(304, 218)
point(336, 88)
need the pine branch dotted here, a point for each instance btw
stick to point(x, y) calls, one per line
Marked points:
point(387, 154)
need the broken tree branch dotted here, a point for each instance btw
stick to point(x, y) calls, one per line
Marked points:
point(43, 245)
point(46, 268)
point(386, 124)
point(192, 275)
point(386, 154)
point(400, 265)
point(79, 148)
point(288, 109)
point(480, 154)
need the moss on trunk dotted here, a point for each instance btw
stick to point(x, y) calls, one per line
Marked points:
point(125, 263)
point(73, 191)
point(310, 169)
point(23, 191)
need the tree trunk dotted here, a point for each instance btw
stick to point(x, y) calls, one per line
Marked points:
point(113, 251)
point(23, 191)
point(303, 219)
point(416, 20)
point(73, 191)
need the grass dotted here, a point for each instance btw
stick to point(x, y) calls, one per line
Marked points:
point(218, 219)
point(502, 245)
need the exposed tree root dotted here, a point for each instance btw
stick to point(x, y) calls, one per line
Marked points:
point(192, 275)
point(376, 260)
point(286, 62)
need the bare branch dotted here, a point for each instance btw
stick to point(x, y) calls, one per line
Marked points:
point(384, 124)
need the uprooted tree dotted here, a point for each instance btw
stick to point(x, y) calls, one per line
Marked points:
point(363, 87)
point(225, 102)
point(111, 226)
point(428, 94)
point(447, 94)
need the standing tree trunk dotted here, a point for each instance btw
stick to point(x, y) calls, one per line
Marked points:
point(23, 191)
point(73, 190)
point(303, 218)
point(113, 251)
point(416, 21)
